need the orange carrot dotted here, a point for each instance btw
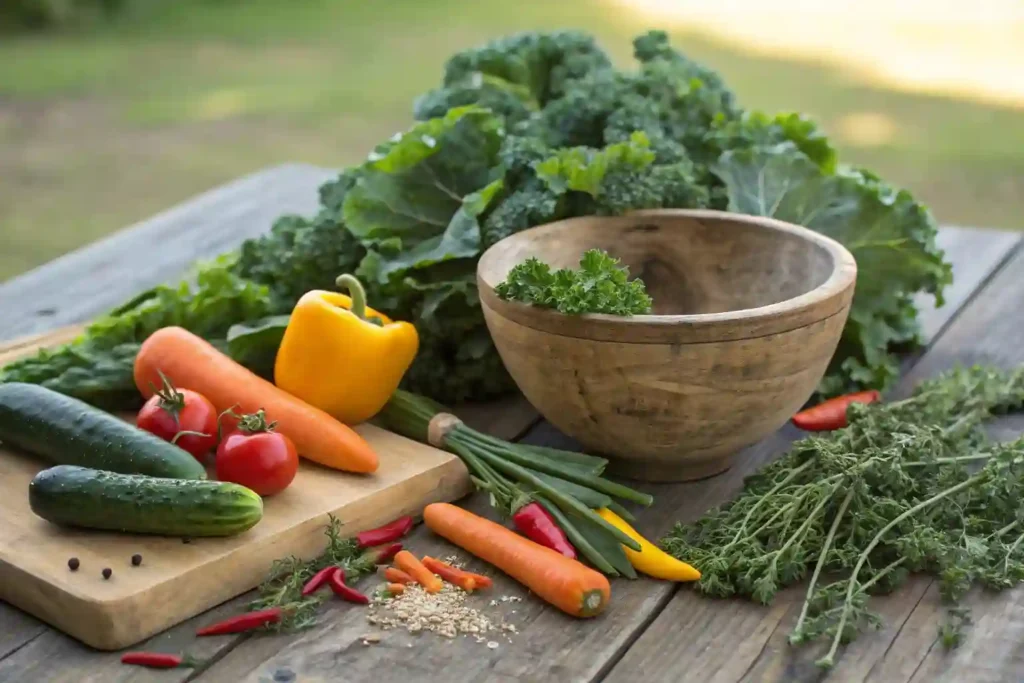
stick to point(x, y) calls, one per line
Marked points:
point(396, 575)
point(395, 588)
point(191, 362)
point(563, 582)
point(408, 563)
point(450, 574)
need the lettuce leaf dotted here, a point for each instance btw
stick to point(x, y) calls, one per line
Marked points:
point(891, 236)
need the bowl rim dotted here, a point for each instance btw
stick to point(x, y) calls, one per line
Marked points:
point(830, 298)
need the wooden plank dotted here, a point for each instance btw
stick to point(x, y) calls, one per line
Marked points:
point(551, 646)
point(102, 275)
point(53, 656)
point(658, 649)
point(976, 253)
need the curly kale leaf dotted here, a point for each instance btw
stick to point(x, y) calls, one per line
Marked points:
point(621, 177)
point(757, 129)
point(599, 285)
point(891, 236)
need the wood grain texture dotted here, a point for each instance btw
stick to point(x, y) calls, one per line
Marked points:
point(80, 285)
point(775, 661)
point(750, 313)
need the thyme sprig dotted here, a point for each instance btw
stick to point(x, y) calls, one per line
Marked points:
point(912, 486)
point(287, 576)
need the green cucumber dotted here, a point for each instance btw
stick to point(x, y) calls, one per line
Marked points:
point(73, 496)
point(66, 431)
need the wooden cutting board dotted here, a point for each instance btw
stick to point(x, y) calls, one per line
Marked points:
point(178, 580)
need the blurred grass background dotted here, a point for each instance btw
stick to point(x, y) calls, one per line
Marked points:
point(108, 122)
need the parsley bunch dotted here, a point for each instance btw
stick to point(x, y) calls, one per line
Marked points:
point(598, 286)
point(910, 486)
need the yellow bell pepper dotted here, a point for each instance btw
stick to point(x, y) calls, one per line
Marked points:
point(337, 357)
point(651, 559)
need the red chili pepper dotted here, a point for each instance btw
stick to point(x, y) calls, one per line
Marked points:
point(385, 534)
point(242, 622)
point(536, 524)
point(319, 580)
point(831, 414)
point(383, 554)
point(344, 591)
point(158, 660)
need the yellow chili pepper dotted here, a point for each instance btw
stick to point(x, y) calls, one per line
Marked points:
point(651, 559)
point(342, 357)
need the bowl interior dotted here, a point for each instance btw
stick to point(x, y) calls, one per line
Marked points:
point(690, 264)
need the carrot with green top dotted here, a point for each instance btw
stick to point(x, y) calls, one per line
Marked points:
point(408, 563)
point(564, 583)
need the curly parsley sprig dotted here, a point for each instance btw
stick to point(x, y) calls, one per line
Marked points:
point(600, 285)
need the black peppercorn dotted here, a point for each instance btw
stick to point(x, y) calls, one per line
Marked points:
point(73, 564)
point(136, 560)
point(107, 572)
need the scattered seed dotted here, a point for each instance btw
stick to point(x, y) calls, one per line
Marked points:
point(73, 564)
point(107, 572)
point(136, 560)
point(446, 613)
point(492, 644)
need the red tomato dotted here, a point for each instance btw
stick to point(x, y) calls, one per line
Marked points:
point(172, 411)
point(265, 462)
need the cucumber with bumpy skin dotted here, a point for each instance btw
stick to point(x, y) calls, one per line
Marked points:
point(66, 431)
point(134, 503)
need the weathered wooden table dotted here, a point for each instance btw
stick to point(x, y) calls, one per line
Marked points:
point(652, 631)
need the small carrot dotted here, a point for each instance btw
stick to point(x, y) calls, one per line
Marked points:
point(395, 588)
point(190, 361)
point(831, 414)
point(396, 575)
point(408, 563)
point(450, 574)
point(564, 583)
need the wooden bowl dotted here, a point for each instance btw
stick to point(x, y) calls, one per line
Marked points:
point(748, 312)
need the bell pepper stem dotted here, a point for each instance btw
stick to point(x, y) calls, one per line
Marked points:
point(355, 292)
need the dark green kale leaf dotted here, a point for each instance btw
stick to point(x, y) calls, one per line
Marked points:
point(891, 236)
point(599, 285)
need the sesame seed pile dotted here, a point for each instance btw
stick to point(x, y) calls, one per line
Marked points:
point(445, 613)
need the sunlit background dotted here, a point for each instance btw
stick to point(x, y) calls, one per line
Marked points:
point(104, 122)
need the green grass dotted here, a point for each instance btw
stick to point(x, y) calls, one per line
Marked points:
point(105, 125)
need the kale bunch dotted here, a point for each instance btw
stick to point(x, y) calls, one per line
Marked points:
point(525, 130)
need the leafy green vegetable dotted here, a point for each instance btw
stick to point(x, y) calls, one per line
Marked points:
point(898, 491)
point(598, 286)
point(255, 344)
point(525, 130)
point(891, 237)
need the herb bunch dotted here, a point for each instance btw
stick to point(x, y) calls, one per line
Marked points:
point(910, 486)
point(287, 576)
point(600, 285)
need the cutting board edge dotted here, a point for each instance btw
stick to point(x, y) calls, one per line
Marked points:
point(101, 624)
